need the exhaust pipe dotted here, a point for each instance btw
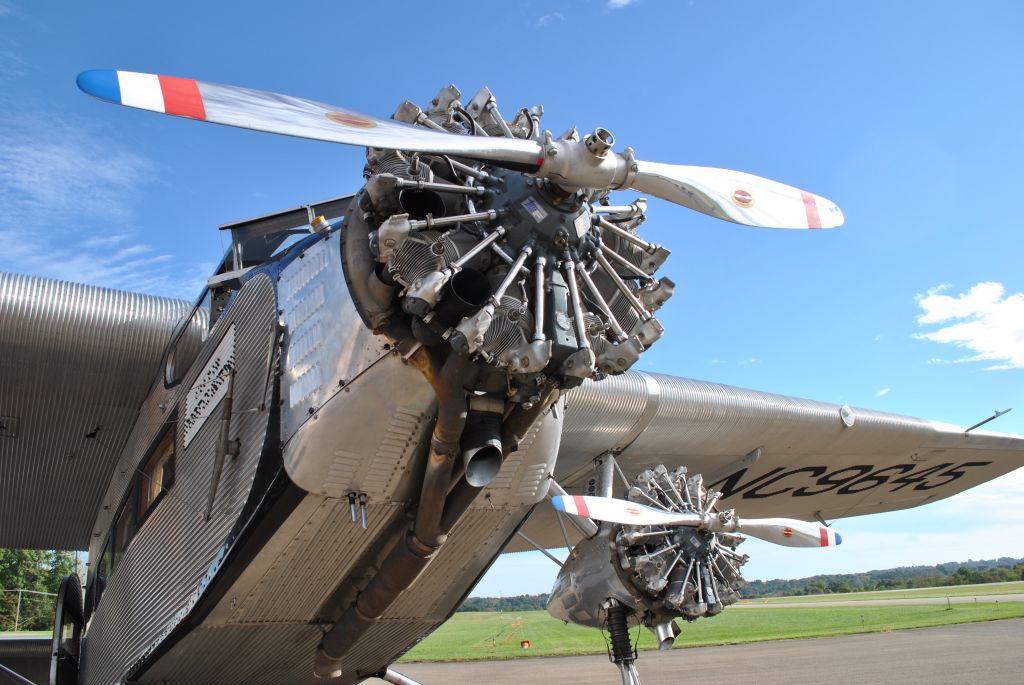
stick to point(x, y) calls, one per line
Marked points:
point(419, 204)
point(465, 292)
point(666, 633)
point(409, 557)
point(481, 441)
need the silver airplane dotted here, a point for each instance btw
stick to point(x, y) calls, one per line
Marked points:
point(304, 472)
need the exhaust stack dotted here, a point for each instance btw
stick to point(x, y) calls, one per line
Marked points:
point(481, 441)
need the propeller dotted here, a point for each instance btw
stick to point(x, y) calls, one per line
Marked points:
point(781, 531)
point(590, 163)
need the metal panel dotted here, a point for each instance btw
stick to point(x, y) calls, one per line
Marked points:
point(305, 572)
point(333, 453)
point(73, 359)
point(175, 553)
point(254, 654)
point(327, 344)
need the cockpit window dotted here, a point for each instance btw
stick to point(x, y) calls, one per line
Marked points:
point(187, 342)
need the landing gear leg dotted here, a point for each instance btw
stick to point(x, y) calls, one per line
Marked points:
point(392, 676)
point(622, 653)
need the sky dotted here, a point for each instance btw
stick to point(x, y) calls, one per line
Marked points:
point(905, 114)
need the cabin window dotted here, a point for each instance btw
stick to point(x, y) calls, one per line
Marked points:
point(124, 529)
point(97, 580)
point(156, 475)
point(187, 341)
point(154, 478)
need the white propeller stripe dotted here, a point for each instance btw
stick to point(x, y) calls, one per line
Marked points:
point(736, 196)
point(141, 90)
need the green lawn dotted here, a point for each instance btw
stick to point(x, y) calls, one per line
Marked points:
point(487, 635)
point(937, 592)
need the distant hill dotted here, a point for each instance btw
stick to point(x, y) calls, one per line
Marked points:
point(951, 573)
point(517, 603)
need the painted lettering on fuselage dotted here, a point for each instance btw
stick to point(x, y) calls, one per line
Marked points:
point(209, 387)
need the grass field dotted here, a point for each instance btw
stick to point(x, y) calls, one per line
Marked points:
point(490, 635)
point(486, 635)
point(938, 592)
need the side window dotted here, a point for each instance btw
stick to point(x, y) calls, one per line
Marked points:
point(156, 476)
point(187, 341)
point(124, 530)
point(98, 580)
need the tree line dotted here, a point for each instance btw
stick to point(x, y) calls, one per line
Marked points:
point(970, 572)
point(29, 569)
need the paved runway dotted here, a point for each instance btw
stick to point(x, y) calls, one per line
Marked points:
point(968, 653)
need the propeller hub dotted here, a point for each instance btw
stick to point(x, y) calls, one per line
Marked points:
point(600, 141)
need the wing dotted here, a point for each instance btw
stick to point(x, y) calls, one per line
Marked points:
point(76, 362)
point(28, 657)
point(770, 455)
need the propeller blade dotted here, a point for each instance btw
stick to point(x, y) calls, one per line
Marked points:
point(736, 196)
point(786, 532)
point(292, 116)
point(616, 510)
point(790, 532)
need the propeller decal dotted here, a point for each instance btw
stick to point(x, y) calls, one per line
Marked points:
point(163, 94)
point(830, 538)
point(811, 207)
point(575, 505)
point(346, 119)
point(742, 197)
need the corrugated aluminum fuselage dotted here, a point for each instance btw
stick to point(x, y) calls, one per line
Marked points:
point(322, 407)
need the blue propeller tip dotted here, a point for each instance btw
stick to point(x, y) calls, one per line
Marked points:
point(100, 83)
point(839, 539)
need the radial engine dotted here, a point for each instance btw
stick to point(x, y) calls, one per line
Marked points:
point(539, 284)
point(651, 575)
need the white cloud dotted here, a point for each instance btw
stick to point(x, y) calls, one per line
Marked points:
point(67, 207)
point(883, 392)
point(52, 169)
point(549, 19)
point(619, 4)
point(984, 320)
point(5, 8)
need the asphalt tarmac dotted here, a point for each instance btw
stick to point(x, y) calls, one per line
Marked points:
point(990, 652)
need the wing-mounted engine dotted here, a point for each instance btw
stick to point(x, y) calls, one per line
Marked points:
point(683, 571)
point(663, 553)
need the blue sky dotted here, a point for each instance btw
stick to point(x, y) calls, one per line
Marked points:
point(907, 115)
